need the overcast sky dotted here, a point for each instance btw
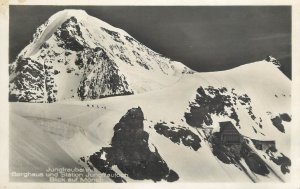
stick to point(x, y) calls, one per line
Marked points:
point(205, 38)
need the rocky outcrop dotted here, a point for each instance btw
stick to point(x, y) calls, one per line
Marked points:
point(278, 120)
point(210, 101)
point(67, 33)
point(130, 152)
point(101, 76)
point(179, 135)
point(33, 82)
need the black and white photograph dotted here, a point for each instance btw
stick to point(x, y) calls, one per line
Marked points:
point(150, 94)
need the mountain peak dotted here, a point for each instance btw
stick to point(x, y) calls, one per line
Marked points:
point(98, 60)
point(75, 11)
point(69, 13)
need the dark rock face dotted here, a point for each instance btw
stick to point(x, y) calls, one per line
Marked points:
point(32, 72)
point(140, 60)
point(104, 166)
point(221, 102)
point(94, 86)
point(277, 121)
point(179, 135)
point(283, 161)
point(210, 101)
point(131, 40)
point(101, 76)
point(254, 162)
point(115, 35)
point(33, 82)
point(285, 117)
point(130, 152)
point(125, 58)
point(67, 32)
point(256, 165)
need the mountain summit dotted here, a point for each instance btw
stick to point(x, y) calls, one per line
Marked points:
point(75, 55)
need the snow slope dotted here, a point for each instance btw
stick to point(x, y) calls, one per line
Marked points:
point(267, 88)
point(31, 149)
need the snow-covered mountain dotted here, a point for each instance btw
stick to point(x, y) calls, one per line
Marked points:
point(74, 55)
point(169, 129)
point(177, 128)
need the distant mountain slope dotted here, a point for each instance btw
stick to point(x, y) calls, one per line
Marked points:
point(74, 55)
